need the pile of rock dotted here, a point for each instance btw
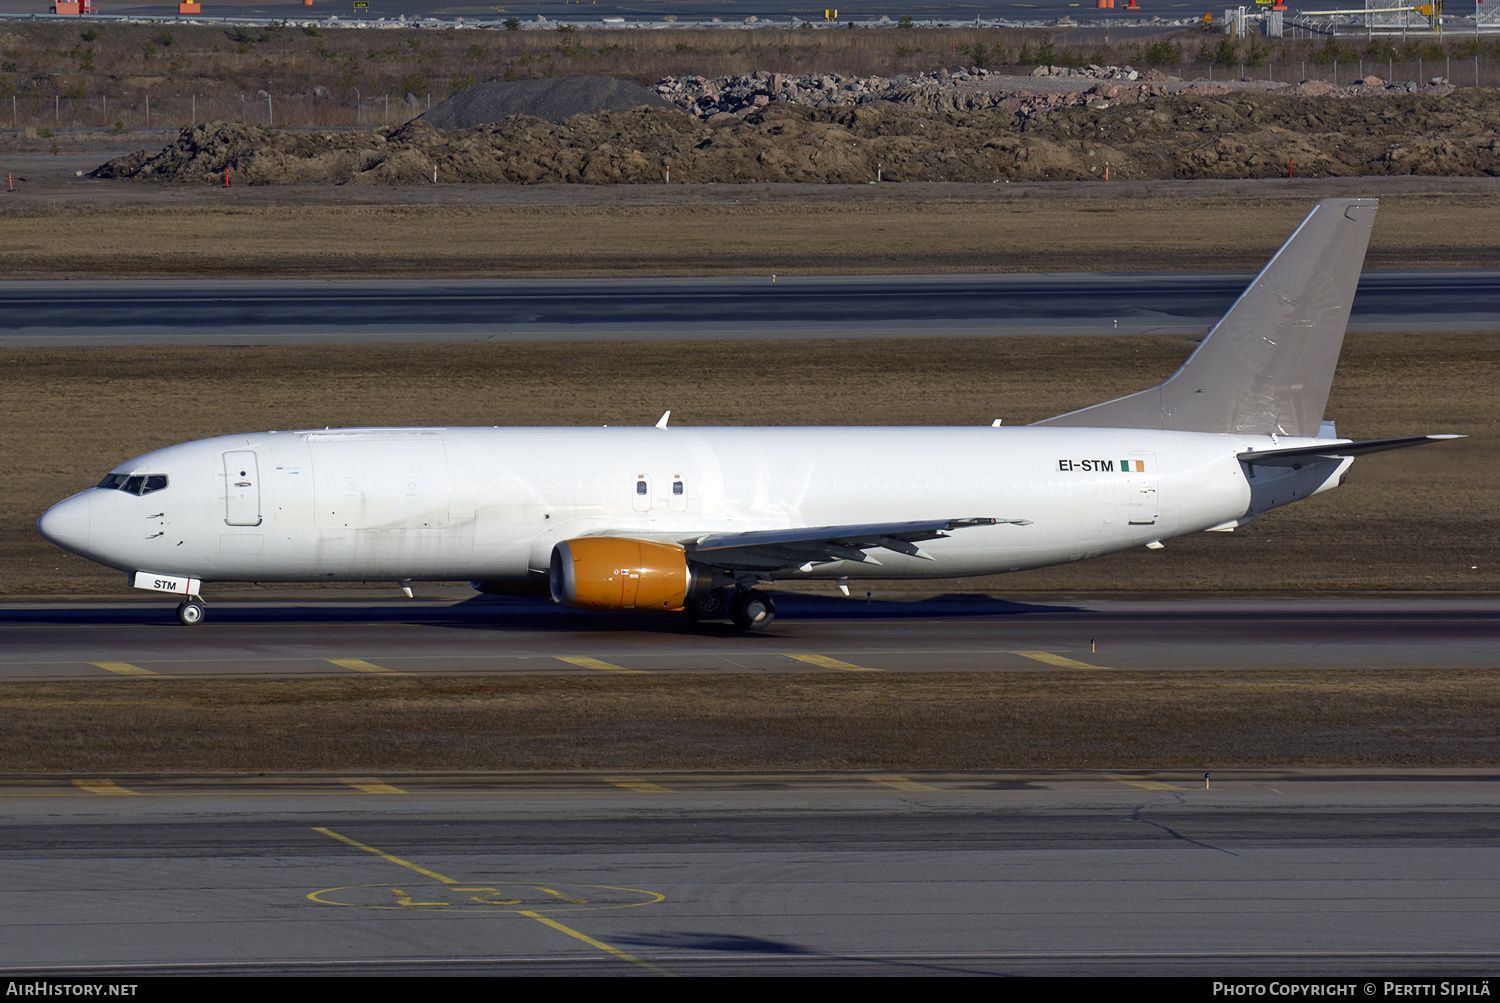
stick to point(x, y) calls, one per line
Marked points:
point(1138, 129)
point(705, 97)
point(977, 89)
point(1097, 72)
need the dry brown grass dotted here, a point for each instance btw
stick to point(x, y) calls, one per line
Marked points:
point(916, 721)
point(128, 229)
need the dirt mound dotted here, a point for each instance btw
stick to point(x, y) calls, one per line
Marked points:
point(1236, 135)
point(551, 100)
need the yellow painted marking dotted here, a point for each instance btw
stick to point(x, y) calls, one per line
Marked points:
point(125, 669)
point(404, 898)
point(1150, 785)
point(584, 662)
point(900, 783)
point(485, 898)
point(559, 895)
point(1059, 660)
point(434, 875)
point(601, 945)
point(824, 662)
point(525, 912)
point(633, 784)
point(101, 787)
point(371, 786)
point(360, 665)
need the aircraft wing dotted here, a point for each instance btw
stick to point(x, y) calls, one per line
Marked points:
point(804, 547)
point(1297, 454)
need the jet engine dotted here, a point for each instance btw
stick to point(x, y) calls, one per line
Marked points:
point(608, 572)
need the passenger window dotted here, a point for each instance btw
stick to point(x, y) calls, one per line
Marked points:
point(677, 487)
point(640, 487)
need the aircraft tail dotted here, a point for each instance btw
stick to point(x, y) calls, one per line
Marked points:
point(1267, 366)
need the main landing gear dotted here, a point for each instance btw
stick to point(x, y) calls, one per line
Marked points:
point(751, 610)
point(710, 605)
point(748, 610)
point(190, 612)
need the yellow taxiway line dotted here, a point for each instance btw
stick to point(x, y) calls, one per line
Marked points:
point(360, 665)
point(1059, 660)
point(824, 662)
point(544, 920)
point(584, 662)
point(124, 669)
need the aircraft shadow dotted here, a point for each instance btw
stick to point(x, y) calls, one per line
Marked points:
point(497, 613)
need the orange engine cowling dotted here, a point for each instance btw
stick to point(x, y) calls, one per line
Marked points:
point(607, 572)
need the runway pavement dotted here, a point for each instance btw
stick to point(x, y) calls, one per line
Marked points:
point(1286, 874)
point(456, 632)
point(1365, 876)
point(62, 314)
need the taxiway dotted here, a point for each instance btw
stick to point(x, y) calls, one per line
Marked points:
point(1263, 874)
point(456, 632)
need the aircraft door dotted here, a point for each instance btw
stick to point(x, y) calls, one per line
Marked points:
point(241, 489)
point(1141, 475)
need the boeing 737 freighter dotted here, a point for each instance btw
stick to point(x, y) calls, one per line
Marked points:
point(693, 519)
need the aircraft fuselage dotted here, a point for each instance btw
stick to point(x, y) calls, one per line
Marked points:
point(491, 503)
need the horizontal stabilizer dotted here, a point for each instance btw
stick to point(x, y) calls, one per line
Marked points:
point(1296, 454)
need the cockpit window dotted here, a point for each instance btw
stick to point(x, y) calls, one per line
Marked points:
point(136, 484)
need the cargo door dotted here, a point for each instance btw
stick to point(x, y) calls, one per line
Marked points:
point(1141, 474)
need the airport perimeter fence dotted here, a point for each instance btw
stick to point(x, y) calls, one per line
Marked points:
point(34, 114)
point(39, 116)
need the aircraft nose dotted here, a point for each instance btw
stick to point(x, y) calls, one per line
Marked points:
point(67, 523)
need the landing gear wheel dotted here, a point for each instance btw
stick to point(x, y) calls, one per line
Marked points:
point(190, 612)
point(710, 605)
point(752, 610)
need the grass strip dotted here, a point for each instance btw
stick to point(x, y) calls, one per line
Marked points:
point(1197, 719)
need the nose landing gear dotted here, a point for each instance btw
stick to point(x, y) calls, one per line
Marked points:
point(190, 612)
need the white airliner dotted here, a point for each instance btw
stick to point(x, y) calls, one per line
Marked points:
point(663, 518)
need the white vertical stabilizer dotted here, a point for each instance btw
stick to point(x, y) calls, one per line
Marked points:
point(1266, 367)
